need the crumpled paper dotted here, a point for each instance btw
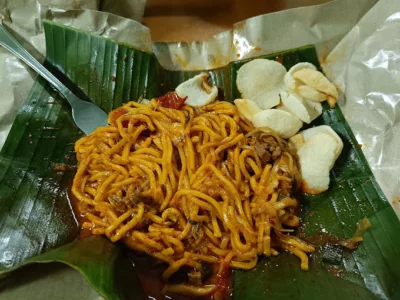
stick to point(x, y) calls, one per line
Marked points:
point(364, 64)
point(318, 25)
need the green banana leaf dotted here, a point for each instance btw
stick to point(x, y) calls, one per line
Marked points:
point(103, 264)
point(37, 165)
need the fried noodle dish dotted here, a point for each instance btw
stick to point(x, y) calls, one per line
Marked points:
point(191, 187)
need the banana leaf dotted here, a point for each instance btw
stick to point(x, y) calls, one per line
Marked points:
point(37, 164)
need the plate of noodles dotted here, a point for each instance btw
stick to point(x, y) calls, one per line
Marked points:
point(201, 186)
point(233, 182)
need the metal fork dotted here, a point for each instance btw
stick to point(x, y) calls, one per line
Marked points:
point(87, 116)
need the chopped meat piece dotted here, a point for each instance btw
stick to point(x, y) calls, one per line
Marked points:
point(261, 150)
point(285, 187)
point(266, 147)
point(273, 147)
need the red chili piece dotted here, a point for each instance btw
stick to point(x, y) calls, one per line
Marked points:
point(171, 100)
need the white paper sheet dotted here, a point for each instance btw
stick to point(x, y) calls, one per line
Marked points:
point(366, 65)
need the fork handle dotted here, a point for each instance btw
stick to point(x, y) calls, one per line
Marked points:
point(8, 42)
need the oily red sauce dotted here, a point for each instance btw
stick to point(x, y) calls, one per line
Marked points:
point(77, 207)
point(279, 59)
point(224, 282)
point(150, 270)
point(336, 272)
point(115, 114)
point(125, 124)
